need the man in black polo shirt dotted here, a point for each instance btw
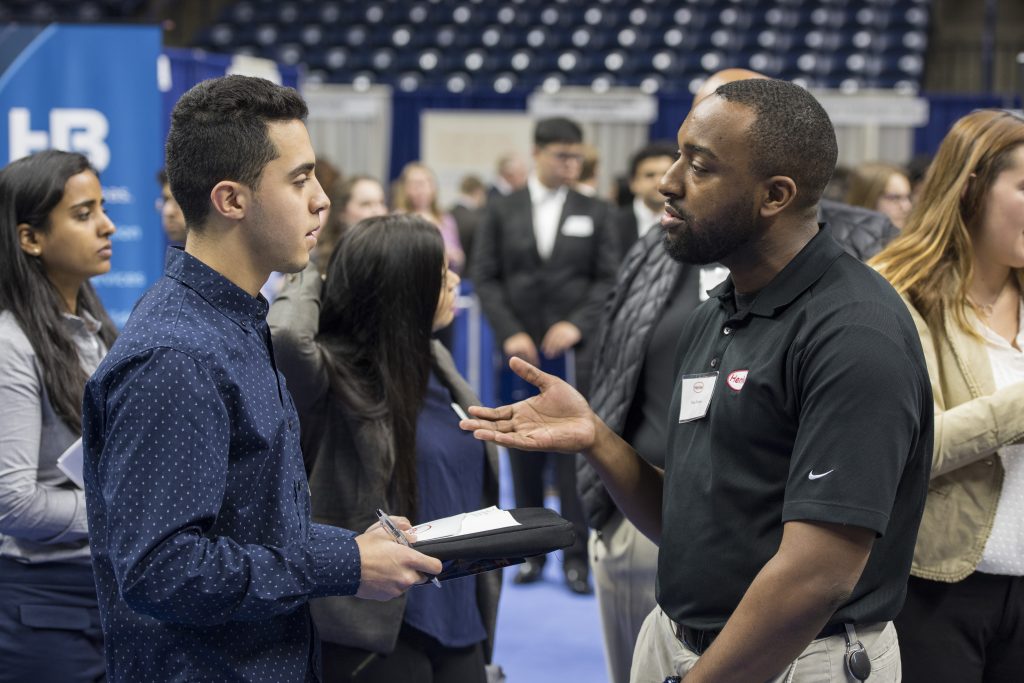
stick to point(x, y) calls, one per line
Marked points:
point(800, 425)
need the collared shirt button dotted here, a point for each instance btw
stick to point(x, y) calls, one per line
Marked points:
point(726, 330)
point(989, 462)
point(714, 362)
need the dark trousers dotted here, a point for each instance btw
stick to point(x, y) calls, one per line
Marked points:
point(528, 467)
point(49, 624)
point(528, 485)
point(416, 657)
point(966, 632)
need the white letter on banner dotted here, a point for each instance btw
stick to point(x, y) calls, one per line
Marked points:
point(23, 140)
point(84, 131)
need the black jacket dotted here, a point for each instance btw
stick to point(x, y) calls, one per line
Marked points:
point(861, 232)
point(646, 278)
point(521, 292)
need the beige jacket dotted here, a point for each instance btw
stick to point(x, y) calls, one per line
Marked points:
point(972, 422)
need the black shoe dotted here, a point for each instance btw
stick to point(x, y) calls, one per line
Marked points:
point(576, 578)
point(530, 571)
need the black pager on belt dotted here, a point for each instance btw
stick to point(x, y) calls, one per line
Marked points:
point(857, 660)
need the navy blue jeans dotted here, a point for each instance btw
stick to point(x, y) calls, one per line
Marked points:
point(49, 624)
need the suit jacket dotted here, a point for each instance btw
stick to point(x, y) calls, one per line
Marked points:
point(625, 221)
point(467, 220)
point(350, 463)
point(521, 292)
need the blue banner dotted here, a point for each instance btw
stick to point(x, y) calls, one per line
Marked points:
point(93, 89)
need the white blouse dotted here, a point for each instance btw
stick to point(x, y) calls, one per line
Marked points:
point(1004, 551)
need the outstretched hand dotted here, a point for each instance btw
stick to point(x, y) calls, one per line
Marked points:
point(558, 419)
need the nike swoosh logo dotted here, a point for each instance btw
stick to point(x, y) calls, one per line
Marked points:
point(812, 476)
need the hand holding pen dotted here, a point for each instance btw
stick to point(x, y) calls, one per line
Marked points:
point(399, 537)
point(388, 569)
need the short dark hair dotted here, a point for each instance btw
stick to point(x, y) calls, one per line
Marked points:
point(660, 148)
point(219, 132)
point(791, 134)
point(471, 183)
point(161, 178)
point(557, 130)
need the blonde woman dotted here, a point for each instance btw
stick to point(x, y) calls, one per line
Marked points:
point(882, 188)
point(416, 192)
point(958, 264)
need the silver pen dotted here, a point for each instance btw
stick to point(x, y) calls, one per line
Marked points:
point(399, 537)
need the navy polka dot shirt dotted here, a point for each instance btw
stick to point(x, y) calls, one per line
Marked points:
point(198, 506)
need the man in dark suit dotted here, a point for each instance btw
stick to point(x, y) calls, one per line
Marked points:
point(646, 169)
point(544, 260)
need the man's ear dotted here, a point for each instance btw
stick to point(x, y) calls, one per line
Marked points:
point(231, 199)
point(779, 193)
point(29, 240)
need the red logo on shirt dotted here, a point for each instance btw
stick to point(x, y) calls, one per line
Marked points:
point(736, 379)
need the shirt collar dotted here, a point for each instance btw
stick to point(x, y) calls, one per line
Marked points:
point(83, 321)
point(645, 218)
point(214, 288)
point(540, 192)
point(804, 270)
point(993, 338)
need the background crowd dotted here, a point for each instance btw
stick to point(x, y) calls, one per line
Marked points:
point(352, 350)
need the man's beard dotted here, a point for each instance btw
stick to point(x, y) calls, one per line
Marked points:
point(706, 242)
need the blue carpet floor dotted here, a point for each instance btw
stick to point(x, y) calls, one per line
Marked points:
point(546, 634)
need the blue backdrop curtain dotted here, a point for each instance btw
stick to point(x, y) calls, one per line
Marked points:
point(189, 67)
point(407, 107)
point(944, 110)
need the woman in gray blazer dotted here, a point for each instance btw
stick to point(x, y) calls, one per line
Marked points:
point(54, 236)
point(379, 402)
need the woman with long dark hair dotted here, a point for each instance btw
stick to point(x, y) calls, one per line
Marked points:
point(959, 263)
point(54, 236)
point(380, 404)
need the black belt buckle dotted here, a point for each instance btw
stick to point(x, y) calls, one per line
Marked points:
point(696, 640)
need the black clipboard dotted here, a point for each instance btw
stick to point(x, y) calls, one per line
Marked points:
point(540, 531)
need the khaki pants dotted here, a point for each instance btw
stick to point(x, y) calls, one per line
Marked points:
point(624, 564)
point(659, 654)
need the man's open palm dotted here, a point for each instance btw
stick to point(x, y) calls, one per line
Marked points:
point(558, 419)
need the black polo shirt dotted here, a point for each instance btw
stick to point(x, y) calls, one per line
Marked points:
point(821, 411)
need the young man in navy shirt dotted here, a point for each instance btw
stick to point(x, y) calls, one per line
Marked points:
point(198, 506)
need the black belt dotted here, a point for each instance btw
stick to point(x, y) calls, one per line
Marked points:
point(699, 641)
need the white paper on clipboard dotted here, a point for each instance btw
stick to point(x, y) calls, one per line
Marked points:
point(463, 524)
point(70, 463)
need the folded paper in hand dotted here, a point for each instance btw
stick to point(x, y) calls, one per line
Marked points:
point(70, 463)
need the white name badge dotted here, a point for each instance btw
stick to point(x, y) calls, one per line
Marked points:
point(578, 226)
point(710, 277)
point(695, 396)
